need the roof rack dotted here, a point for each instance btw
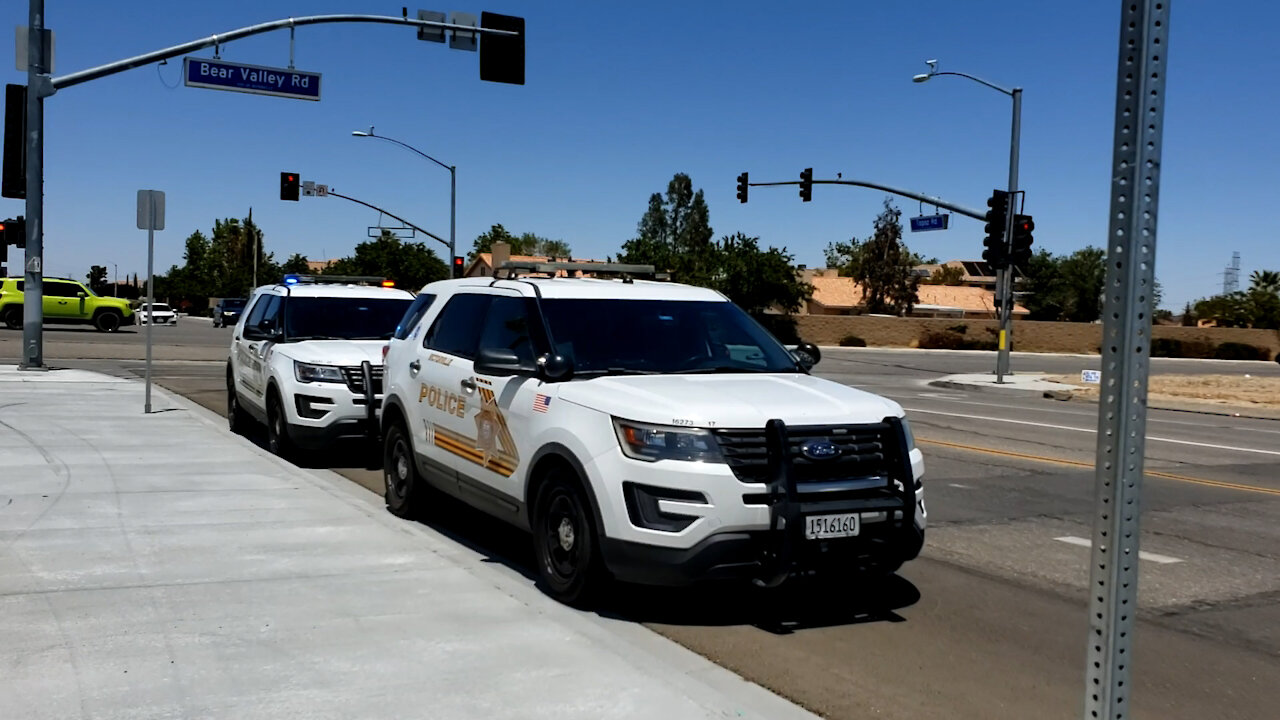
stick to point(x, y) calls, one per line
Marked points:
point(626, 271)
point(295, 279)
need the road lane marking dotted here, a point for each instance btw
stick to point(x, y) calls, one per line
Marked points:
point(1092, 430)
point(1142, 554)
point(962, 487)
point(1090, 466)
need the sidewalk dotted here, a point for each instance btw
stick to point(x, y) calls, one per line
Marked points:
point(157, 566)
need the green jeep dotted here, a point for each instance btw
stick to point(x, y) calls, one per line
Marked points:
point(66, 302)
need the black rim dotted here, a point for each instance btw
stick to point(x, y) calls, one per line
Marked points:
point(398, 472)
point(109, 322)
point(562, 536)
point(273, 437)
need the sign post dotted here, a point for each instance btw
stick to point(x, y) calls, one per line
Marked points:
point(151, 219)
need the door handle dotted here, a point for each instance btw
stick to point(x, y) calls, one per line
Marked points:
point(469, 384)
point(414, 367)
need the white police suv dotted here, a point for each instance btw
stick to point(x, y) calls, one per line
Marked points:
point(306, 358)
point(644, 430)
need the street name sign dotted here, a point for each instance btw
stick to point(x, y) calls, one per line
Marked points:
point(238, 77)
point(930, 222)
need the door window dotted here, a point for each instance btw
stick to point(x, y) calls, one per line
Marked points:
point(271, 314)
point(457, 330)
point(54, 288)
point(413, 315)
point(507, 326)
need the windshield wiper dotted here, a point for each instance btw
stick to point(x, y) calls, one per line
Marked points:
point(617, 371)
point(725, 369)
point(299, 338)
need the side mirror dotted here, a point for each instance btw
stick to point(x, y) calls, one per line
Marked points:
point(501, 362)
point(82, 294)
point(555, 367)
point(807, 354)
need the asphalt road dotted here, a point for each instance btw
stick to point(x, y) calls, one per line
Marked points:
point(991, 622)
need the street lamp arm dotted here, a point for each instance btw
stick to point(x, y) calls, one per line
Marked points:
point(993, 86)
point(410, 147)
point(391, 214)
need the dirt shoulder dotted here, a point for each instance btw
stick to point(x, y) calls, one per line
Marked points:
point(1242, 393)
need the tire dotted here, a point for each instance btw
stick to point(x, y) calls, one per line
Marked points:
point(237, 418)
point(278, 441)
point(406, 491)
point(107, 321)
point(13, 318)
point(566, 541)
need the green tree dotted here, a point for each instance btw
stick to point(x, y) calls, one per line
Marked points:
point(757, 280)
point(1265, 281)
point(946, 275)
point(1044, 293)
point(410, 265)
point(1084, 272)
point(497, 233)
point(675, 235)
point(524, 244)
point(97, 278)
point(881, 264)
point(296, 264)
point(1188, 315)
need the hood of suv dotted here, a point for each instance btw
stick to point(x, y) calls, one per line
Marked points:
point(120, 304)
point(730, 400)
point(334, 352)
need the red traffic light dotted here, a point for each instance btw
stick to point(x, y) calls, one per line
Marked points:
point(457, 266)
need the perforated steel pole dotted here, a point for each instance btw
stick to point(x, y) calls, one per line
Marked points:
point(33, 273)
point(1126, 333)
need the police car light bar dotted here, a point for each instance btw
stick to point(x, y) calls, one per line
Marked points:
point(295, 279)
point(593, 268)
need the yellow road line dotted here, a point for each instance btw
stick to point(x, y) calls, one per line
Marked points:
point(1079, 464)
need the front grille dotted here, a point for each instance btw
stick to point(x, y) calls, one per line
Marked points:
point(865, 452)
point(354, 376)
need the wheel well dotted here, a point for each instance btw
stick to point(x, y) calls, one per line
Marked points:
point(105, 310)
point(551, 460)
point(391, 413)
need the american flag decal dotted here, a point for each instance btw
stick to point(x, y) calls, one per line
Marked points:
point(541, 403)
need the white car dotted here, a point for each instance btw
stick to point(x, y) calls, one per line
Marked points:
point(648, 431)
point(163, 314)
point(306, 359)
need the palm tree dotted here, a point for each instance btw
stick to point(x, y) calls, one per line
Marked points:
point(1265, 280)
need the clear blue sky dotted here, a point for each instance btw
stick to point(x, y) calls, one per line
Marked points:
point(621, 97)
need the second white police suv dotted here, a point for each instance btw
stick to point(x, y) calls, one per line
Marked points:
point(642, 430)
point(306, 359)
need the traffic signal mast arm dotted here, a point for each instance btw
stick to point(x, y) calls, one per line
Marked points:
point(392, 215)
point(101, 71)
point(953, 207)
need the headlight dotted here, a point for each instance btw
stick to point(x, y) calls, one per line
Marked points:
point(911, 438)
point(306, 372)
point(642, 441)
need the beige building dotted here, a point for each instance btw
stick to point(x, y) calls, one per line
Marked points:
point(835, 295)
point(484, 263)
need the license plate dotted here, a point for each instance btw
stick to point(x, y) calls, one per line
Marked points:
point(817, 527)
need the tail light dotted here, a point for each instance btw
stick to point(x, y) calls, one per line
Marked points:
point(385, 348)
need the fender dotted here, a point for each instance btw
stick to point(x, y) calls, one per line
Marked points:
point(563, 453)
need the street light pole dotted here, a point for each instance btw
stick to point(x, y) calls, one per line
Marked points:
point(1004, 276)
point(453, 187)
point(115, 280)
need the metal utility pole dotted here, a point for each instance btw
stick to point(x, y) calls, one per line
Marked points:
point(33, 270)
point(1126, 334)
point(453, 186)
point(1004, 276)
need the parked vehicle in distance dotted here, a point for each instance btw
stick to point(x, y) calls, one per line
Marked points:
point(227, 311)
point(160, 312)
point(66, 302)
point(306, 359)
point(647, 431)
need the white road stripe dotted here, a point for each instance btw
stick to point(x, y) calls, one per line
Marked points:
point(1090, 430)
point(1143, 554)
point(962, 487)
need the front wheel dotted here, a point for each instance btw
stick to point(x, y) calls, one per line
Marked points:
point(406, 490)
point(107, 322)
point(566, 542)
point(13, 318)
point(278, 441)
point(237, 418)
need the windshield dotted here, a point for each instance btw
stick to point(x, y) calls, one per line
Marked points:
point(158, 307)
point(233, 304)
point(662, 336)
point(343, 318)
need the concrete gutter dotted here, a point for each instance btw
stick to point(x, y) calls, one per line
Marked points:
point(1022, 385)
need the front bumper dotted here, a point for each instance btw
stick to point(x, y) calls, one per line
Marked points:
point(322, 412)
point(703, 522)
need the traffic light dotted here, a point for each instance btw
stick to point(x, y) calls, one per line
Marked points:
point(14, 232)
point(806, 184)
point(1022, 227)
point(742, 188)
point(997, 250)
point(457, 266)
point(288, 186)
point(13, 181)
point(502, 56)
